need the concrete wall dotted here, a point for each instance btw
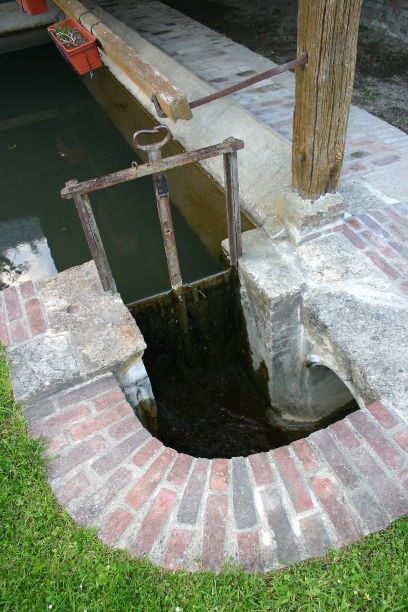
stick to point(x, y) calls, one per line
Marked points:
point(388, 16)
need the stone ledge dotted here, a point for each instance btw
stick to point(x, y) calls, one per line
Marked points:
point(264, 511)
point(65, 330)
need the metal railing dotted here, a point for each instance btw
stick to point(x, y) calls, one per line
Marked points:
point(156, 167)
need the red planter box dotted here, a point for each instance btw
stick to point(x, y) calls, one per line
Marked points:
point(83, 58)
point(33, 6)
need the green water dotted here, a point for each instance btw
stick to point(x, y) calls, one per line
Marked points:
point(52, 130)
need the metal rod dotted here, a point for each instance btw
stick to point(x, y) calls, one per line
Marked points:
point(161, 192)
point(94, 240)
point(233, 207)
point(130, 174)
point(251, 81)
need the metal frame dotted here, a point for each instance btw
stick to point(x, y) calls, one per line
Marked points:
point(157, 167)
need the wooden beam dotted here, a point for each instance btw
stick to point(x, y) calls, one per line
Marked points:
point(327, 31)
point(173, 102)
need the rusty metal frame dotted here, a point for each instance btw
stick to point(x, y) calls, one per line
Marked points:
point(78, 191)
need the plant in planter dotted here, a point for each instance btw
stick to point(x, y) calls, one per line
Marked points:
point(33, 7)
point(76, 44)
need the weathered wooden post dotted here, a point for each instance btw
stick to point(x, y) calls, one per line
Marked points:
point(327, 32)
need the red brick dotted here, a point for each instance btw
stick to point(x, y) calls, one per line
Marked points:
point(371, 512)
point(378, 216)
point(145, 486)
point(4, 337)
point(76, 456)
point(12, 303)
point(71, 488)
point(385, 161)
point(179, 472)
point(248, 550)
point(390, 499)
point(27, 289)
point(292, 480)
point(87, 391)
point(385, 418)
point(90, 507)
point(65, 417)
point(177, 548)
point(125, 426)
point(373, 435)
point(214, 531)
point(315, 535)
point(330, 497)
point(403, 477)
point(344, 435)
point(306, 454)
point(18, 331)
point(114, 526)
point(147, 452)
point(382, 264)
point(354, 238)
point(219, 475)
point(109, 399)
point(35, 317)
point(120, 452)
point(287, 549)
point(153, 522)
point(261, 469)
point(338, 463)
point(360, 142)
point(354, 223)
point(397, 217)
point(401, 438)
point(193, 493)
point(55, 444)
point(100, 422)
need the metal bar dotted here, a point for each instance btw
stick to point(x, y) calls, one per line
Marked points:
point(93, 238)
point(231, 217)
point(251, 81)
point(233, 185)
point(130, 174)
point(161, 191)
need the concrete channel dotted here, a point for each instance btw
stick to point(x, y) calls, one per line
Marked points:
point(265, 439)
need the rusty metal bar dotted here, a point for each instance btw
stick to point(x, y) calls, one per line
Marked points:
point(248, 82)
point(94, 240)
point(233, 206)
point(130, 174)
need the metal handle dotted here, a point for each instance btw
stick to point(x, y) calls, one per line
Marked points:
point(154, 145)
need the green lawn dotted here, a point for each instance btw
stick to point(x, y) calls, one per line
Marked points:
point(49, 563)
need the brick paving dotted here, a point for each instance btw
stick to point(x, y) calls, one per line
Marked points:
point(21, 314)
point(262, 511)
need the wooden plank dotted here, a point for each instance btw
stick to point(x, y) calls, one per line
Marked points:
point(173, 102)
point(327, 32)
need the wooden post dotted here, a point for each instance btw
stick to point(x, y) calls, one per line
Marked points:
point(327, 31)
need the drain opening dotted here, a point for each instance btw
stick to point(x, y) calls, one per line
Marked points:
point(210, 401)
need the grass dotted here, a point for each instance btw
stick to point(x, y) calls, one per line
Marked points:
point(48, 563)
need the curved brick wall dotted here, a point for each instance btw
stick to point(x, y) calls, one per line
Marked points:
point(265, 510)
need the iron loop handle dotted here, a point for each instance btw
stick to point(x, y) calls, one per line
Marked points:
point(154, 145)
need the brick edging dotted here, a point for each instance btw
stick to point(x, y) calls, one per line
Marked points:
point(263, 511)
point(21, 314)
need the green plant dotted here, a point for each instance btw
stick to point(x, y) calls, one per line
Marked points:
point(68, 36)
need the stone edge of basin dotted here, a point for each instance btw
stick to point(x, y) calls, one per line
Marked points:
point(65, 330)
point(263, 511)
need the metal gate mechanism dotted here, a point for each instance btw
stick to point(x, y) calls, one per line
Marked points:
point(157, 167)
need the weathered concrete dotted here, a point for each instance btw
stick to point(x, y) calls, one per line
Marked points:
point(303, 217)
point(78, 331)
point(299, 304)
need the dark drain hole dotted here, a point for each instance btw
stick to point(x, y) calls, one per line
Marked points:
point(210, 401)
